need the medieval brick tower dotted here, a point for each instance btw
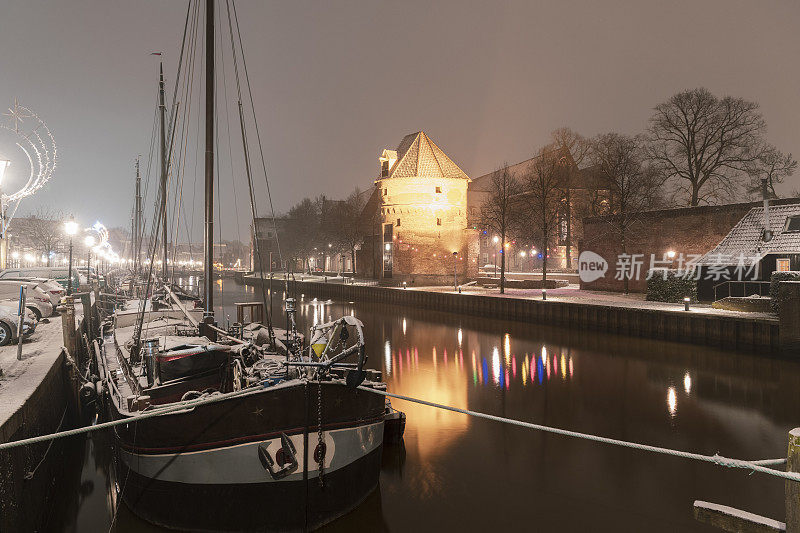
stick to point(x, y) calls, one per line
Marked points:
point(423, 215)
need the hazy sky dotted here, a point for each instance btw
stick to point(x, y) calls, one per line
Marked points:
point(335, 82)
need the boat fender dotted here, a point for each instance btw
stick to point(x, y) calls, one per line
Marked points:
point(286, 457)
point(88, 394)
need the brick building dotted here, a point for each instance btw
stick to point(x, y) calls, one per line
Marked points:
point(688, 231)
point(583, 192)
point(422, 215)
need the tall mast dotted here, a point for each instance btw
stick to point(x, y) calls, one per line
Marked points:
point(137, 221)
point(208, 230)
point(162, 109)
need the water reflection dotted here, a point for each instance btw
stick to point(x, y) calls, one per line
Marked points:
point(447, 474)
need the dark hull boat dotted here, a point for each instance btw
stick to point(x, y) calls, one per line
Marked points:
point(279, 451)
point(249, 428)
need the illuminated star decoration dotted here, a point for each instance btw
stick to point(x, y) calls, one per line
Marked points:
point(17, 114)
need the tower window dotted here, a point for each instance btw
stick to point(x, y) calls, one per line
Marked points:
point(438, 189)
point(438, 221)
point(398, 221)
point(385, 192)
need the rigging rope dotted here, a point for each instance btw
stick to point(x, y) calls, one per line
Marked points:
point(755, 466)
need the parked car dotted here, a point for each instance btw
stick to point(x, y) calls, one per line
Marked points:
point(36, 300)
point(53, 288)
point(9, 319)
point(60, 274)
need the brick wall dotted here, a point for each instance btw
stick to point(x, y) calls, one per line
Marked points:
point(689, 230)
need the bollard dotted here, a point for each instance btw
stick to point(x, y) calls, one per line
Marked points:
point(23, 294)
point(68, 326)
point(792, 488)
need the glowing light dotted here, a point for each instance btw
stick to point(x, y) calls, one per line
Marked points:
point(89, 241)
point(563, 367)
point(4, 164)
point(70, 227)
point(672, 401)
point(496, 364)
point(15, 255)
point(460, 336)
point(495, 239)
point(404, 326)
point(507, 347)
point(387, 357)
point(687, 383)
point(671, 254)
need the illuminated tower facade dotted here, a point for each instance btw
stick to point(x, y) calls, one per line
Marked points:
point(423, 212)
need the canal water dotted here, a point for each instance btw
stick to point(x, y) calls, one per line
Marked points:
point(458, 473)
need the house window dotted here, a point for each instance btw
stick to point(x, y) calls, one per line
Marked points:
point(485, 259)
point(782, 265)
point(438, 189)
point(438, 221)
point(398, 221)
point(792, 223)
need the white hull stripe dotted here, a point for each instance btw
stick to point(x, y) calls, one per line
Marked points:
point(240, 463)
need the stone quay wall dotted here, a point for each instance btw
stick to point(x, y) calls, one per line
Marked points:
point(738, 333)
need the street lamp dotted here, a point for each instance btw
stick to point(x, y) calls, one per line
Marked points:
point(495, 240)
point(455, 271)
point(70, 228)
point(89, 241)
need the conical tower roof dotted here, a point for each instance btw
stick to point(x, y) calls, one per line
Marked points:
point(418, 156)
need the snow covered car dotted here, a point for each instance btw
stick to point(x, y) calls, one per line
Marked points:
point(9, 320)
point(51, 287)
point(37, 300)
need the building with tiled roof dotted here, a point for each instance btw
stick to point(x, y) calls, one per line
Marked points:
point(745, 241)
point(423, 213)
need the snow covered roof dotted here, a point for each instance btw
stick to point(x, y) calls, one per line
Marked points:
point(419, 156)
point(744, 240)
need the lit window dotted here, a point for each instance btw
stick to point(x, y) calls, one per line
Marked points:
point(438, 189)
point(398, 221)
point(782, 265)
point(438, 221)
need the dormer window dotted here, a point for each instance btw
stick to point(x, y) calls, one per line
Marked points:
point(384, 168)
point(792, 224)
point(438, 189)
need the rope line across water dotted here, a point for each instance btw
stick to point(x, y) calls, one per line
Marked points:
point(755, 466)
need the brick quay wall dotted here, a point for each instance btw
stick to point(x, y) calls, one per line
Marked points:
point(730, 332)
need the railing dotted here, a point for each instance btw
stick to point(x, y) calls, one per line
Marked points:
point(740, 288)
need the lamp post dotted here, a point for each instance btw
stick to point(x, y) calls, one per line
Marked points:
point(455, 271)
point(4, 164)
point(495, 239)
point(89, 241)
point(70, 228)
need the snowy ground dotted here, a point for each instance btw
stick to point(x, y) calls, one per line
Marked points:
point(39, 352)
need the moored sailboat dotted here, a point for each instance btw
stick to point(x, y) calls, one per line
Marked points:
point(261, 431)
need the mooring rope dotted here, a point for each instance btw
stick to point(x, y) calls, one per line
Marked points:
point(755, 466)
point(182, 406)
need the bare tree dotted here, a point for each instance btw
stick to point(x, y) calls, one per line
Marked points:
point(43, 231)
point(773, 166)
point(350, 225)
point(705, 144)
point(497, 211)
point(634, 185)
point(302, 223)
point(537, 216)
point(575, 147)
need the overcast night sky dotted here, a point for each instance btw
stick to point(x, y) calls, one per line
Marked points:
point(335, 82)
